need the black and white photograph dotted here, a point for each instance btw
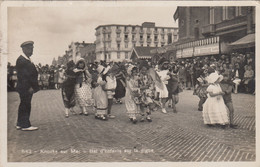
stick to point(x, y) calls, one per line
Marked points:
point(129, 83)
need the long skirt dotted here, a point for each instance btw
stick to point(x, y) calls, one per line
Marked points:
point(131, 107)
point(100, 101)
point(215, 111)
point(120, 90)
point(68, 96)
point(83, 95)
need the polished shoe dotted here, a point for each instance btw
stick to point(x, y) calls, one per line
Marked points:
point(18, 127)
point(233, 126)
point(67, 116)
point(134, 121)
point(86, 114)
point(111, 116)
point(200, 109)
point(148, 119)
point(164, 111)
point(31, 128)
point(104, 118)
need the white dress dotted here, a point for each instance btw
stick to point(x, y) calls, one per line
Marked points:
point(111, 84)
point(214, 109)
point(83, 94)
point(163, 93)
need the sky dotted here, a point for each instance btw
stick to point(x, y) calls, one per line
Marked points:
point(53, 28)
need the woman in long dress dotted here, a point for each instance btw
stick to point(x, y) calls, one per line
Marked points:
point(83, 92)
point(215, 111)
point(120, 85)
point(68, 93)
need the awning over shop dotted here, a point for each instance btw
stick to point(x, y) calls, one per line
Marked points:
point(245, 42)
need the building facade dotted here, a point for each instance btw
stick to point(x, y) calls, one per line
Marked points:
point(213, 30)
point(82, 50)
point(115, 42)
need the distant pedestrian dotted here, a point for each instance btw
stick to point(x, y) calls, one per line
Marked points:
point(215, 111)
point(27, 85)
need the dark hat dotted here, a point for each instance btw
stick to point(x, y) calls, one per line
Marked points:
point(27, 43)
point(162, 61)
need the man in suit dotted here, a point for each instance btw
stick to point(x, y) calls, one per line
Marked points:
point(27, 85)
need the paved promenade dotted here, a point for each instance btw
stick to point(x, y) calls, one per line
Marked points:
point(174, 137)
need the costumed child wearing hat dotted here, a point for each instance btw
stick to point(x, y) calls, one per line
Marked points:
point(100, 95)
point(132, 96)
point(215, 111)
point(164, 76)
point(147, 80)
point(227, 85)
point(83, 92)
point(110, 86)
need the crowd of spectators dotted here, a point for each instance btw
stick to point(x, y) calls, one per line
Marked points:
point(239, 67)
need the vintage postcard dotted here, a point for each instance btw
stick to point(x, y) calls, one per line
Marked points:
point(129, 83)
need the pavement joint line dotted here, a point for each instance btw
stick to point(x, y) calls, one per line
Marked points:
point(220, 157)
point(198, 148)
point(202, 149)
point(220, 150)
point(213, 145)
point(193, 146)
point(179, 142)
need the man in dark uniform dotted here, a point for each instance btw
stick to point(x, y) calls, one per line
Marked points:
point(27, 85)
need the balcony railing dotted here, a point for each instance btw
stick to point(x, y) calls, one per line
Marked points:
point(118, 31)
point(118, 39)
point(133, 39)
point(126, 39)
point(156, 40)
point(163, 40)
point(109, 31)
point(134, 31)
point(141, 40)
point(141, 31)
point(149, 40)
point(162, 33)
point(126, 31)
point(208, 29)
point(155, 32)
point(107, 40)
point(148, 31)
